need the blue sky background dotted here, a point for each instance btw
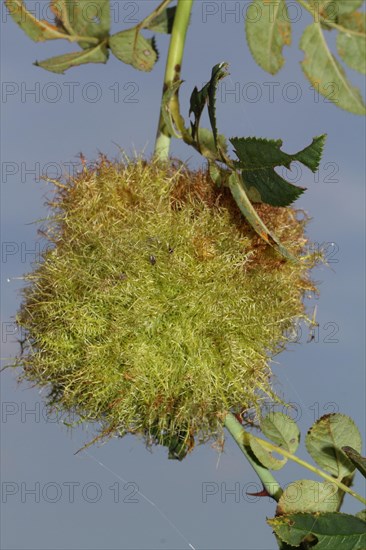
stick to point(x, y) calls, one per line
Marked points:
point(319, 377)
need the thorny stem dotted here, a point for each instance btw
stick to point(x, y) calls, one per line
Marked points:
point(172, 70)
point(237, 431)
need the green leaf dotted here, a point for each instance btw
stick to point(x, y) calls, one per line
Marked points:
point(132, 48)
point(197, 104)
point(37, 30)
point(219, 72)
point(326, 74)
point(331, 9)
point(241, 198)
point(331, 530)
point(207, 146)
point(356, 459)
point(306, 495)
point(346, 6)
point(63, 17)
point(170, 110)
point(259, 157)
point(207, 95)
point(61, 63)
point(268, 33)
point(83, 17)
point(281, 430)
point(263, 456)
point(178, 444)
point(165, 111)
point(325, 439)
point(361, 514)
point(163, 23)
point(352, 47)
point(283, 546)
point(253, 152)
point(178, 447)
point(216, 174)
point(265, 185)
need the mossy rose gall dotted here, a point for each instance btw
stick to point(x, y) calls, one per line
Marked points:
point(158, 309)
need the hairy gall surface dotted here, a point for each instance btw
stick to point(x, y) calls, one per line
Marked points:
point(157, 309)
